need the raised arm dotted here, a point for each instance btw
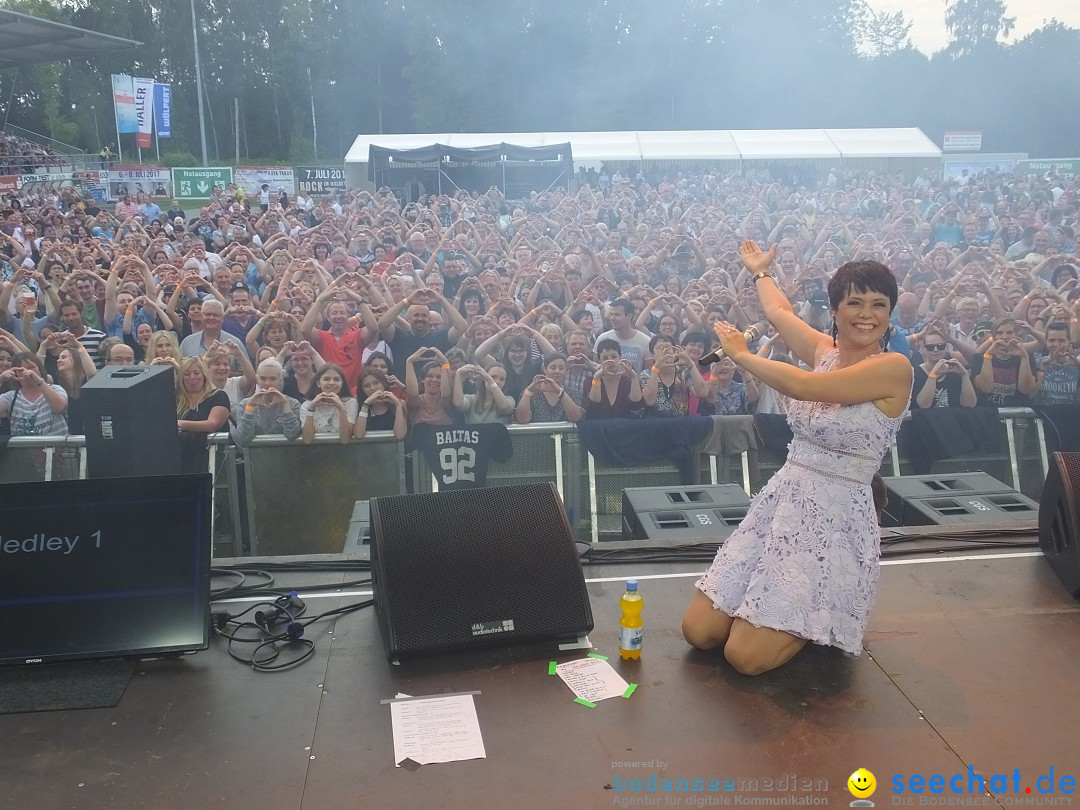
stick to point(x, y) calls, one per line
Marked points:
point(803, 340)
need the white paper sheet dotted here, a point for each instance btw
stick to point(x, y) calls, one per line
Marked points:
point(436, 729)
point(592, 679)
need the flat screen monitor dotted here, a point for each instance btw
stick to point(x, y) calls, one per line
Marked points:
point(104, 568)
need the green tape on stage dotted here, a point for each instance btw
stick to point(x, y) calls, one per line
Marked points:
point(584, 702)
point(598, 655)
point(551, 667)
point(630, 690)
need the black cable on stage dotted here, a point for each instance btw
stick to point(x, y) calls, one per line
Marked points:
point(303, 565)
point(890, 547)
point(271, 644)
point(240, 586)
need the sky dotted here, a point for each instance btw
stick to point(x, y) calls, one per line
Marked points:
point(928, 32)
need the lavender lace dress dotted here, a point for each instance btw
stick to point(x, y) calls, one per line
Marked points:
point(805, 558)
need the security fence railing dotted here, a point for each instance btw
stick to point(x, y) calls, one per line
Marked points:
point(278, 497)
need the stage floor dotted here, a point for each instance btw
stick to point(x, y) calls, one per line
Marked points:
point(974, 661)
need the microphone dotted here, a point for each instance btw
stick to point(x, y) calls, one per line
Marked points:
point(753, 333)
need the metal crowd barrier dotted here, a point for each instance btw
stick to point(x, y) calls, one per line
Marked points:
point(278, 497)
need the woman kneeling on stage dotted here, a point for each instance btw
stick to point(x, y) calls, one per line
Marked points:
point(803, 564)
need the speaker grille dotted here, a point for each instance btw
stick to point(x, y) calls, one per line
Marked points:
point(472, 567)
point(1059, 519)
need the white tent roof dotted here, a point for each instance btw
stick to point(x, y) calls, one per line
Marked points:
point(909, 142)
point(746, 144)
point(757, 144)
point(718, 144)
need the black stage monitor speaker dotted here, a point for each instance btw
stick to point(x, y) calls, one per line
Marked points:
point(1059, 519)
point(131, 422)
point(706, 512)
point(460, 569)
point(954, 498)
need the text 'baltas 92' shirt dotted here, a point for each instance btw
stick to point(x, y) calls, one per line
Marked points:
point(459, 456)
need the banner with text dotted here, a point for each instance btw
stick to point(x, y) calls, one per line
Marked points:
point(94, 183)
point(30, 183)
point(962, 140)
point(163, 110)
point(123, 92)
point(198, 182)
point(320, 179)
point(251, 178)
point(144, 111)
point(1063, 167)
point(136, 179)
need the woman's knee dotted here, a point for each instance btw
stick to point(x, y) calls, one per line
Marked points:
point(752, 650)
point(703, 626)
point(744, 658)
point(697, 635)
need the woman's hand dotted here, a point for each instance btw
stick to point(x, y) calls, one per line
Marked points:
point(731, 339)
point(755, 260)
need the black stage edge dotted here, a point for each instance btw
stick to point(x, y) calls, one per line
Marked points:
point(971, 663)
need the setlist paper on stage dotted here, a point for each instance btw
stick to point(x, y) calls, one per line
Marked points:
point(436, 729)
point(592, 679)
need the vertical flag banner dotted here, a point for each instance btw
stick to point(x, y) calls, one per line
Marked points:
point(124, 103)
point(163, 110)
point(144, 111)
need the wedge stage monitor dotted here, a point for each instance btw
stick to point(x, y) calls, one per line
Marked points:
point(104, 568)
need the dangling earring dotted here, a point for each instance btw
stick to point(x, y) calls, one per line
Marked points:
point(887, 339)
point(834, 333)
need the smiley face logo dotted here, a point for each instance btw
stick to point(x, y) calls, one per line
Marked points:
point(862, 784)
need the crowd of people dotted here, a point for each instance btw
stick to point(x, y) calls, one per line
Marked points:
point(20, 156)
point(346, 313)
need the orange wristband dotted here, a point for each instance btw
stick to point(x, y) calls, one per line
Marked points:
point(656, 369)
point(932, 376)
point(988, 356)
point(446, 365)
point(597, 383)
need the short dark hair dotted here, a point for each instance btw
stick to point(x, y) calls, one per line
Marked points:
point(657, 339)
point(607, 344)
point(625, 304)
point(696, 337)
point(862, 276)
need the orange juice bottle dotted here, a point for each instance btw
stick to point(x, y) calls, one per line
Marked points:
point(630, 625)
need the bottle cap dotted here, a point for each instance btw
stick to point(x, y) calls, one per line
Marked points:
point(631, 584)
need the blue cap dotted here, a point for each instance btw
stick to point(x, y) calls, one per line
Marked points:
point(631, 584)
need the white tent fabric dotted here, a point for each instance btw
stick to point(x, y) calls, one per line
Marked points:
point(771, 144)
point(717, 145)
point(854, 143)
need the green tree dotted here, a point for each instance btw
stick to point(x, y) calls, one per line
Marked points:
point(974, 24)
